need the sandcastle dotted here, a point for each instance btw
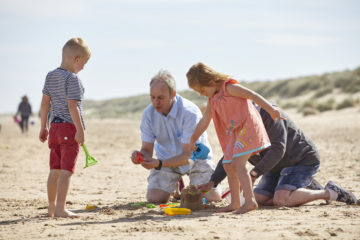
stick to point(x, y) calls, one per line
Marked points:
point(191, 198)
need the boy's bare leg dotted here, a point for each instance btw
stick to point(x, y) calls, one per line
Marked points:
point(246, 184)
point(62, 190)
point(52, 183)
point(234, 186)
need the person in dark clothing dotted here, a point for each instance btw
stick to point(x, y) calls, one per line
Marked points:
point(25, 112)
point(287, 168)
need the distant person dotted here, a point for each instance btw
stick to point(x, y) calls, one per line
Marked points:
point(24, 110)
point(64, 91)
point(287, 168)
point(238, 125)
point(166, 127)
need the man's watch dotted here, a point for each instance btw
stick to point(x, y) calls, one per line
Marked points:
point(160, 165)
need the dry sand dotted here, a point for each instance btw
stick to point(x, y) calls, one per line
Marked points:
point(114, 184)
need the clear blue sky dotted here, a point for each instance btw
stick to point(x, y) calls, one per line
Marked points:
point(131, 40)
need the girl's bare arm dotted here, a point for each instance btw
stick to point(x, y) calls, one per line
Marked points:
point(201, 126)
point(237, 90)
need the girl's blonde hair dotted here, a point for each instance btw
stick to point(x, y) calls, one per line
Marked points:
point(201, 74)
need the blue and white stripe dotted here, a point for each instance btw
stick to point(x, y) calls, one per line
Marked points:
point(62, 85)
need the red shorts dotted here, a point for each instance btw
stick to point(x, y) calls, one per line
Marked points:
point(63, 147)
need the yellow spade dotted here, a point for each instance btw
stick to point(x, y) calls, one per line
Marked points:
point(90, 160)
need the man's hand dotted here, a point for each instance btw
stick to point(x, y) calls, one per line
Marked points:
point(253, 176)
point(133, 156)
point(253, 179)
point(150, 163)
point(43, 134)
point(205, 187)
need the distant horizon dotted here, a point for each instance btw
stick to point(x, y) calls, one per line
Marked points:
point(131, 40)
point(259, 80)
point(181, 90)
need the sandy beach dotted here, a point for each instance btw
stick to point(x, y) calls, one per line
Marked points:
point(115, 183)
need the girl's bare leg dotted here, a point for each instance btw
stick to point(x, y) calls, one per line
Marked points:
point(234, 186)
point(246, 184)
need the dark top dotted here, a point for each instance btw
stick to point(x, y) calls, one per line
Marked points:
point(289, 147)
point(24, 109)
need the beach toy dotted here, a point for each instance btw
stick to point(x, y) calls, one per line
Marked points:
point(90, 207)
point(201, 152)
point(16, 119)
point(177, 211)
point(90, 160)
point(139, 157)
point(204, 201)
point(169, 205)
point(225, 194)
point(150, 205)
point(181, 184)
point(138, 204)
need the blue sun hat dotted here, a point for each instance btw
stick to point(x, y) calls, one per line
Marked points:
point(201, 152)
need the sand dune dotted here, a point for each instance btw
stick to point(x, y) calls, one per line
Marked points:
point(114, 184)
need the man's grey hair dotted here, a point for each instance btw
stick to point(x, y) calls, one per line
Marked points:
point(164, 76)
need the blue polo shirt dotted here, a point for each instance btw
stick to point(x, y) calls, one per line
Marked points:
point(171, 131)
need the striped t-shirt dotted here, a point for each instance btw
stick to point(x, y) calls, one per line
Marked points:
point(62, 85)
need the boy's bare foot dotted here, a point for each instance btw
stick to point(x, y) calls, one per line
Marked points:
point(228, 208)
point(51, 210)
point(247, 207)
point(66, 214)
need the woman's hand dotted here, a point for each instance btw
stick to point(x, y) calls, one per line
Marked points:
point(205, 187)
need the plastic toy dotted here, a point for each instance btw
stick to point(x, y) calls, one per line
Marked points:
point(177, 211)
point(90, 160)
point(16, 120)
point(201, 152)
point(90, 207)
point(150, 205)
point(138, 204)
point(139, 157)
point(225, 194)
point(169, 205)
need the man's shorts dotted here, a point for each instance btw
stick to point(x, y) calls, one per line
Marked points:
point(63, 147)
point(167, 178)
point(290, 178)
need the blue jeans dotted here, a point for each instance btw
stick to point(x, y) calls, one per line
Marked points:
point(290, 178)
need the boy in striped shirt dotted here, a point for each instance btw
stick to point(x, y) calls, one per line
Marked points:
point(64, 91)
